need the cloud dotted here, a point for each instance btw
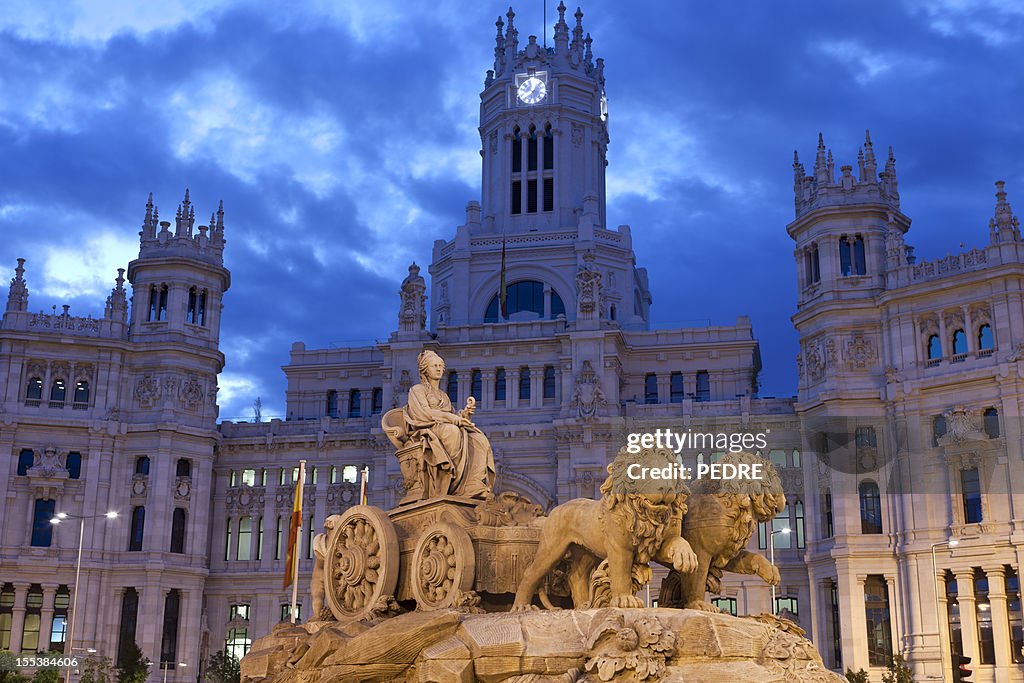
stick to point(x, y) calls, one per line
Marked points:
point(867, 64)
point(996, 22)
point(86, 268)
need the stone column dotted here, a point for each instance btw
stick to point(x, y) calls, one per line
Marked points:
point(969, 330)
point(18, 615)
point(536, 387)
point(1000, 622)
point(512, 388)
point(968, 616)
point(547, 287)
point(46, 616)
point(947, 344)
point(664, 387)
point(487, 389)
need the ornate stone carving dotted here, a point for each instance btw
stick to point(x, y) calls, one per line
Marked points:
point(640, 646)
point(587, 397)
point(147, 390)
point(962, 425)
point(412, 316)
point(183, 488)
point(507, 509)
point(48, 466)
point(192, 393)
point(860, 351)
point(577, 135)
point(140, 484)
point(588, 290)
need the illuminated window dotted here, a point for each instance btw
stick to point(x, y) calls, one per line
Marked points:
point(244, 538)
point(237, 642)
point(879, 625)
point(727, 605)
point(870, 508)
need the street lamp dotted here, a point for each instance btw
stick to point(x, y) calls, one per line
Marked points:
point(944, 661)
point(771, 558)
point(55, 520)
point(167, 665)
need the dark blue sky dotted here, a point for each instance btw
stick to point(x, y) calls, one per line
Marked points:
point(342, 138)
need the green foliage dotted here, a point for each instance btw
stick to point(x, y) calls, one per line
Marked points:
point(223, 667)
point(96, 668)
point(858, 677)
point(897, 671)
point(134, 668)
point(9, 668)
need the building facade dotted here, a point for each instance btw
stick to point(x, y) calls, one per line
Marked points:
point(904, 433)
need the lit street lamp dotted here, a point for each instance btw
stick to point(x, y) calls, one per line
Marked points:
point(57, 519)
point(167, 665)
point(944, 661)
point(771, 558)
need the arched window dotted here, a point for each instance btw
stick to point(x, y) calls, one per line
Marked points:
point(34, 389)
point(851, 255)
point(991, 417)
point(499, 384)
point(798, 510)
point(827, 524)
point(25, 461)
point(377, 401)
point(126, 628)
point(201, 316)
point(549, 381)
point(355, 398)
point(524, 383)
point(190, 310)
point(73, 464)
point(178, 530)
point(611, 313)
point(154, 304)
point(81, 397)
point(162, 306)
point(549, 164)
point(531, 165)
point(58, 391)
point(970, 487)
point(476, 383)
point(244, 538)
point(183, 468)
point(169, 639)
point(934, 347)
point(137, 528)
point(959, 342)
point(142, 464)
point(985, 338)
point(59, 625)
point(332, 403)
point(42, 530)
point(676, 393)
point(703, 386)
point(651, 388)
point(870, 508)
point(453, 388)
point(525, 296)
point(879, 624)
point(812, 270)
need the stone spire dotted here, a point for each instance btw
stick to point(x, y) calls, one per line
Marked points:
point(888, 181)
point(17, 299)
point(577, 37)
point(820, 164)
point(870, 174)
point(561, 30)
point(511, 37)
point(1004, 226)
point(149, 223)
point(217, 226)
point(117, 302)
point(185, 218)
point(499, 49)
point(412, 316)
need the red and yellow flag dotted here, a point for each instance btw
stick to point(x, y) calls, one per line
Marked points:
point(292, 558)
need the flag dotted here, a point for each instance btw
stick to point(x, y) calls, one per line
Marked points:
point(291, 563)
point(502, 293)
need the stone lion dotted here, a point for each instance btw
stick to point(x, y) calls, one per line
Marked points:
point(632, 523)
point(722, 517)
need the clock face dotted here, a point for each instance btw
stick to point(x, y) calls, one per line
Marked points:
point(532, 90)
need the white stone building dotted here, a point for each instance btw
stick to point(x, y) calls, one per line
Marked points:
point(905, 432)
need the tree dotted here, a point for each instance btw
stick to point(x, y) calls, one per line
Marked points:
point(48, 674)
point(96, 668)
point(257, 410)
point(898, 671)
point(133, 667)
point(858, 677)
point(9, 672)
point(223, 667)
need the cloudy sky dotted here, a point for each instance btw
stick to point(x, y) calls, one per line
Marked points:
point(341, 136)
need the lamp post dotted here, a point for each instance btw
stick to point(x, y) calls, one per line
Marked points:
point(771, 558)
point(944, 661)
point(55, 520)
point(166, 665)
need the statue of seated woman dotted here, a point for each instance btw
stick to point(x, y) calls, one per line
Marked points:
point(441, 452)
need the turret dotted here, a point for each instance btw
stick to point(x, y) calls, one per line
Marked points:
point(17, 298)
point(1003, 226)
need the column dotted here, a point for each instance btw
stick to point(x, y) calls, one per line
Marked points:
point(537, 387)
point(1000, 621)
point(46, 616)
point(547, 295)
point(968, 616)
point(269, 530)
point(190, 632)
point(854, 622)
point(487, 389)
point(969, 330)
point(947, 350)
point(895, 608)
point(942, 622)
point(18, 615)
point(512, 387)
point(664, 387)
point(465, 386)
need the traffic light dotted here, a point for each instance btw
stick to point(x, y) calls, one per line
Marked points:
point(961, 669)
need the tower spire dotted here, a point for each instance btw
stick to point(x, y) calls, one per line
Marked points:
point(1004, 226)
point(499, 48)
point(820, 163)
point(561, 30)
point(17, 299)
point(870, 166)
point(149, 222)
point(117, 302)
point(511, 37)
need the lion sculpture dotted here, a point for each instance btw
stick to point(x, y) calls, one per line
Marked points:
point(722, 517)
point(633, 523)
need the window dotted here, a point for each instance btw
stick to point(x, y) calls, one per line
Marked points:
point(332, 403)
point(796, 458)
point(42, 530)
point(983, 613)
point(812, 271)
point(798, 509)
point(259, 538)
point(517, 151)
point(959, 342)
point(59, 626)
point(703, 386)
point(33, 616)
point(1013, 608)
point(938, 428)
point(237, 642)
point(956, 638)
point(178, 518)
point(244, 538)
point(453, 388)
point(527, 295)
point(6, 615)
point(864, 437)
point(310, 532)
point(81, 396)
point(524, 383)
point(350, 473)
point(991, 417)
point(549, 192)
point(278, 537)
point(934, 347)
point(789, 604)
point(355, 397)
point(517, 197)
point(137, 527)
point(782, 541)
point(726, 605)
point(970, 489)
point(34, 389)
point(126, 628)
point(154, 304)
point(25, 461)
point(377, 402)
point(183, 468)
point(286, 612)
point(142, 465)
point(499, 385)
point(985, 339)
point(549, 381)
point(58, 392)
point(169, 640)
point(476, 384)
point(233, 479)
point(227, 540)
point(876, 613)
point(676, 393)
point(190, 310)
point(202, 308)
point(827, 529)
point(851, 255)
point(837, 640)
point(870, 508)
point(249, 477)
point(650, 388)
point(531, 194)
point(778, 458)
point(240, 612)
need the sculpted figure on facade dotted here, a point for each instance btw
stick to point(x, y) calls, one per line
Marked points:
point(587, 398)
point(441, 451)
point(413, 314)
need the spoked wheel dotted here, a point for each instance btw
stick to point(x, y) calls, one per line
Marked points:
point(361, 566)
point(444, 566)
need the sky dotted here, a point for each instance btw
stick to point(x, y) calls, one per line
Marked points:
point(342, 139)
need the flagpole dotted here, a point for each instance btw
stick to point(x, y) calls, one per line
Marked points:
point(362, 484)
point(298, 542)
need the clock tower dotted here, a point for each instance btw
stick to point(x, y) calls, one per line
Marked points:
point(544, 129)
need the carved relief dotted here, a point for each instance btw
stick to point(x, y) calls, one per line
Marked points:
point(147, 390)
point(140, 484)
point(587, 398)
point(183, 488)
point(577, 135)
point(192, 393)
point(49, 466)
point(588, 289)
point(860, 351)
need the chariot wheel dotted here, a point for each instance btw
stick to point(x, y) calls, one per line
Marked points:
point(443, 566)
point(361, 563)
